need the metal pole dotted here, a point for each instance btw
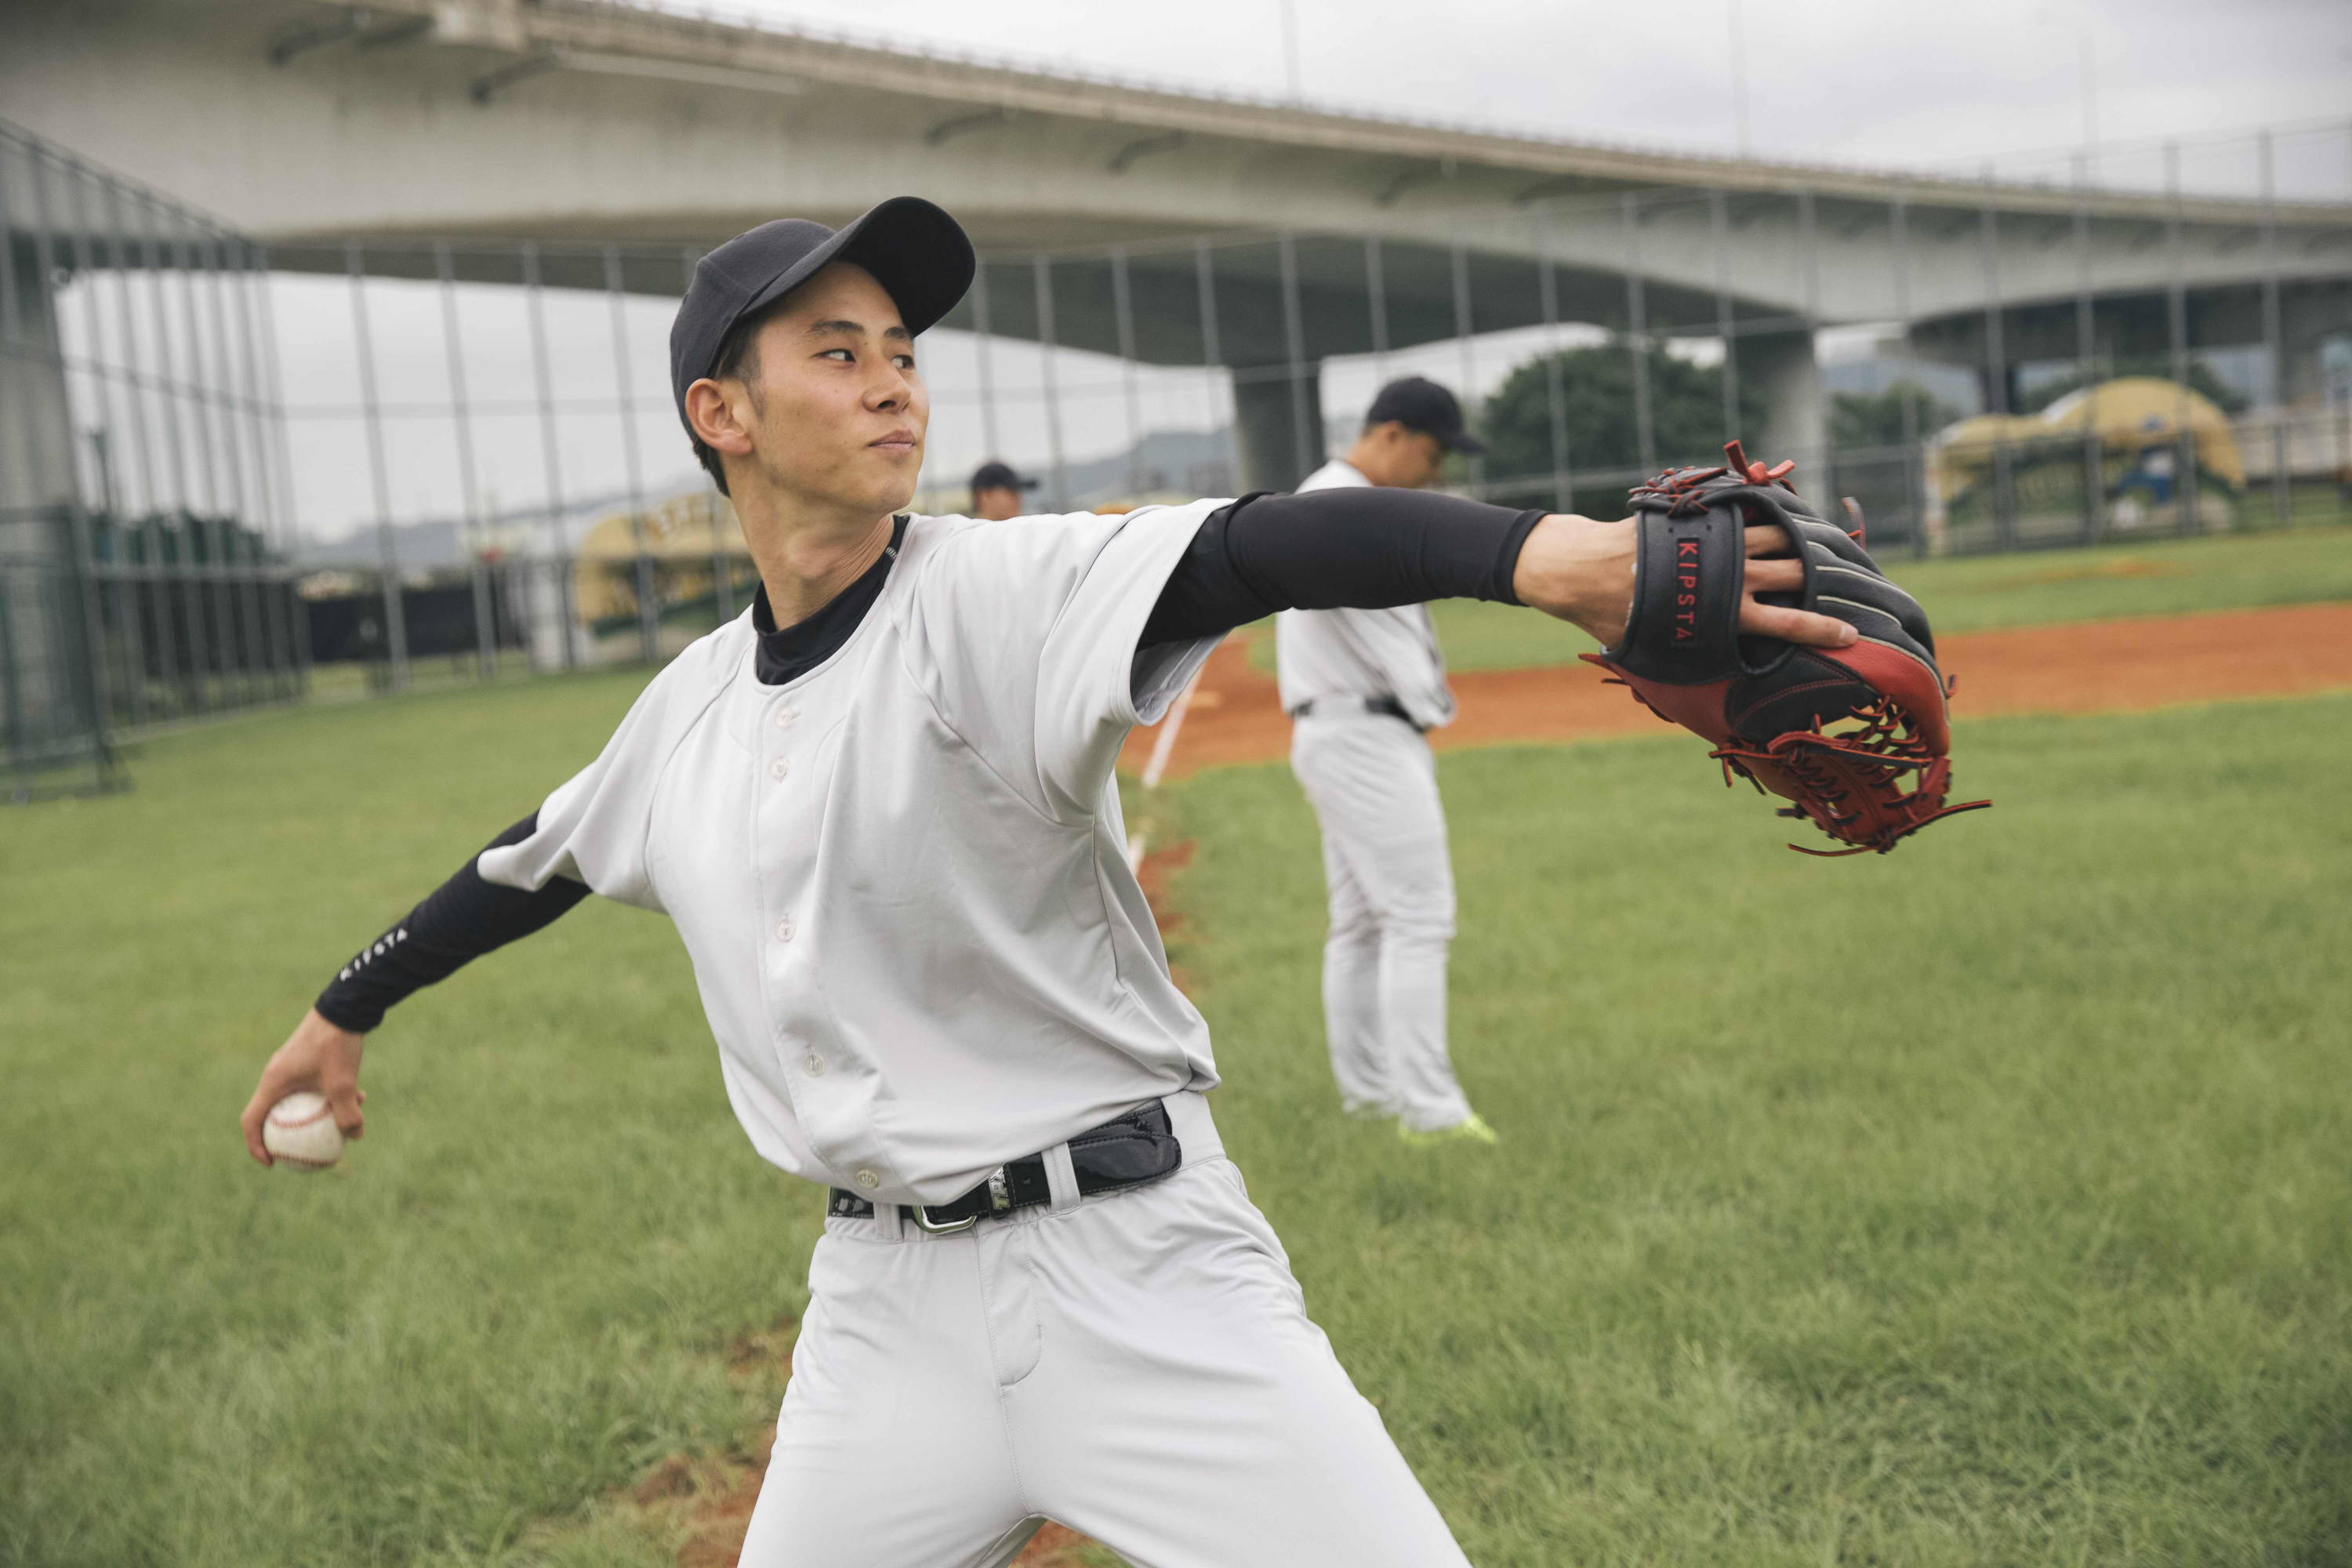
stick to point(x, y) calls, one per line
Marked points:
point(96, 691)
point(212, 571)
point(395, 620)
point(1211, 346)
point(1563, 479)
point(1124, 305)
point(1465, 332)
point(2273, 334)
point(2086, 357)
point(648, 585)
point(272, 585)
point(1719, 221)
point(1376, 289)
point(461, 426)
point(1915, 455)
point(297, 610)
point(1306, 446)
point(560, 562)
point(121, 591)
point(245, 589)
point(149, 591)
point(192, 615)
point(1041, 276)
point(983, 346)
point(1637, 338)
point(2184, 481)
point(1996, 369)
point(722, 557)
point(1810, 238)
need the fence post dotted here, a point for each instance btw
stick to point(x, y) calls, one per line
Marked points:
point(1306, 439)
point(396, 613)
point(2184, 481)
point(648, 581)
point(2273, 335)
point(1465, 331)
point(461, 426)
point(192, 607)
point(2086, 358)
point(1213, 354)
point(560, 548)
point(1563, 476)
point(1718, 223)
point(1041, 276)
point(1996, 369)
point(1123, 306)
point(1637, 336)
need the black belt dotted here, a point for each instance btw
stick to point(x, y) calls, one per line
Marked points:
point(1124, 1151)
point(1386, 707)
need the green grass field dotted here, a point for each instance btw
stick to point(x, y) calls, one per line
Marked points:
point(1980, 593)
point(1983, 1205)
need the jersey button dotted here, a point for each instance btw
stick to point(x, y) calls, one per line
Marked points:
point(869, 1180)
point(781, 766)
point(813, 1064)
point(785, 715)
point(785, 928)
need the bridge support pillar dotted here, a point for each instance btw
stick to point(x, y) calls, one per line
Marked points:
point(1277, 424)
point(1781, 366)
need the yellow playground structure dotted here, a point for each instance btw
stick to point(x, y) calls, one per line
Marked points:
point(2161, 453)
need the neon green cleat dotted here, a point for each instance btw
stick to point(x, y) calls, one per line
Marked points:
point(1473, 1130)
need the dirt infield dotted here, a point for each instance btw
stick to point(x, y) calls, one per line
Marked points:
point(2090, 666)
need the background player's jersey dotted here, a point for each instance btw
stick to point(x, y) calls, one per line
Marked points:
point(902, 876)
point(1324, 654)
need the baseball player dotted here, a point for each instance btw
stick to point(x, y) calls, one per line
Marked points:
point(879, 808)
point(996, 491)
point(1363, 688)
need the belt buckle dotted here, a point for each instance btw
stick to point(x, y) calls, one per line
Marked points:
point(999, 1198)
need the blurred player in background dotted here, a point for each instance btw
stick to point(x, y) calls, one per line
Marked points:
point(1363, 689)
point(996, 491)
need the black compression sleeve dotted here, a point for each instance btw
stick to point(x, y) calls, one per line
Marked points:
point(460, 920)
point(1352, 548)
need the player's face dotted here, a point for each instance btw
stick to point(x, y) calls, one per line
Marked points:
point(840, 412)
point(996, 504)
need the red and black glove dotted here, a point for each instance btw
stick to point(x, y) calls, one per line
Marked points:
point(1855, 737)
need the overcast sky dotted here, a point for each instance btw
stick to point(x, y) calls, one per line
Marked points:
point(1876, 81)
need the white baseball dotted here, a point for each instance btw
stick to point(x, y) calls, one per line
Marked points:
point(301, 1132)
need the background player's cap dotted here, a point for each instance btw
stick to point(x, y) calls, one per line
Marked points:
point(997, 475)
point(1419, 403)
point(915, 250)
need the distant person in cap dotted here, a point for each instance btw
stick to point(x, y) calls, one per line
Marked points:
point(996, 491)
point(1363, 687)
point(878, 806)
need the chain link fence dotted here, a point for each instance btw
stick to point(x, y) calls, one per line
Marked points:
point(233, 476)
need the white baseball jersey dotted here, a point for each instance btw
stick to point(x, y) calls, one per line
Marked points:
point(1324, 654)
point(902, 877)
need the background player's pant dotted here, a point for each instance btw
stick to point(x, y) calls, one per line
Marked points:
point(1141, 1368)
point(1373, 785)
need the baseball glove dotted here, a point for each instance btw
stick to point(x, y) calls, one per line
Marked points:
point(1855, 737)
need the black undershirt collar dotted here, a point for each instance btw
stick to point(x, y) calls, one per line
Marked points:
point(787, 655)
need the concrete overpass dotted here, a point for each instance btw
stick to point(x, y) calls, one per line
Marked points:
point(306, 123)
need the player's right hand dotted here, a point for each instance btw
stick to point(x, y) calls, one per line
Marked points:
point(317, 1056)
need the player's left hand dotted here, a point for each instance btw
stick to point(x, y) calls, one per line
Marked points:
point(1581, 571)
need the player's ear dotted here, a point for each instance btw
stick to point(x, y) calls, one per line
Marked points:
point(721, 414)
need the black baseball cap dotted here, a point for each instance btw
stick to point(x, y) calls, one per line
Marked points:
point(1419, 403)
point(997, 475)
point(918, 253)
